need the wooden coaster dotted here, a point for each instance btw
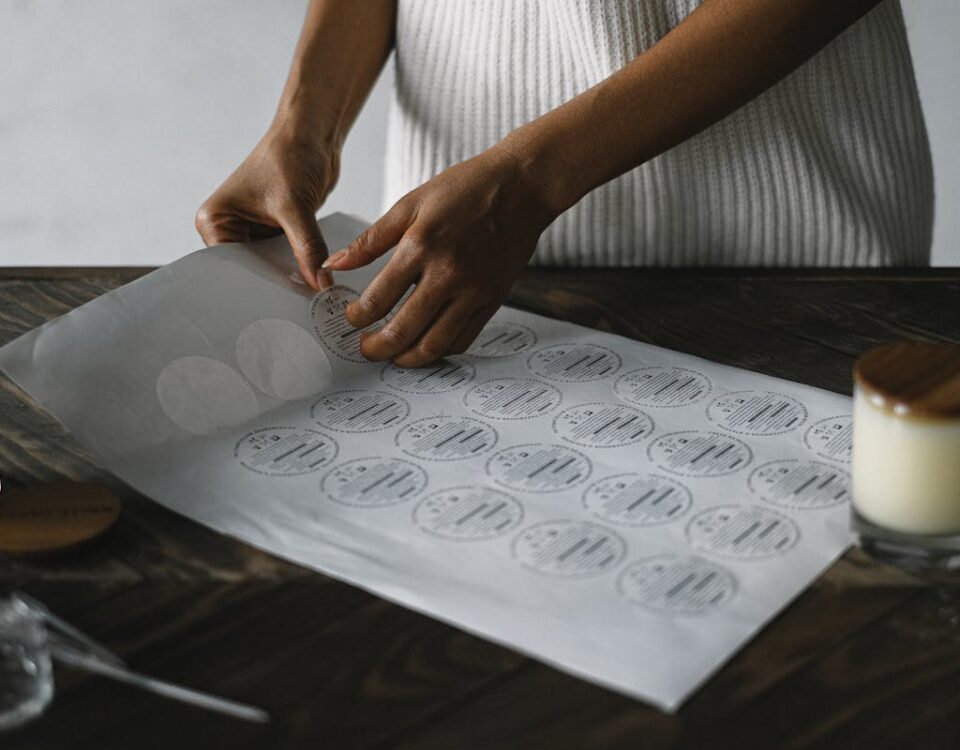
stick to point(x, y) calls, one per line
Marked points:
point(52, 517)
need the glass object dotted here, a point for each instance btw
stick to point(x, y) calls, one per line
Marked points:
point(906, 454)
point(26, 679)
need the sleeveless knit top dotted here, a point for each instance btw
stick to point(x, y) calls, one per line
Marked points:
point(830, 167)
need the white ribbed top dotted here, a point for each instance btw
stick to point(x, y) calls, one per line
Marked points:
point(830, 167)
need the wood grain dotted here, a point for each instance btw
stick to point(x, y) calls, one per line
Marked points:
point(867, 657)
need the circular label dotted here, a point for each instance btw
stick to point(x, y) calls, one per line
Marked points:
point(512, 398)
point(699, 454)
point(285, 451)
point(599, 425)
point(756, 412)
point(677, 584)
point(570, 549)
point(831, 438)
point(468, 513)
point(538, 467)
point(445, 375)
point(503, 340)
point(446, 438)
point(800, 484)
point(574, 363)
point(745, 532)
point(328, 312)
point(374, 482)
point(662, 386)
point(359, 411)
point(637, 499)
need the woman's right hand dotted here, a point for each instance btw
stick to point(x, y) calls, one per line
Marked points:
point(278, 188)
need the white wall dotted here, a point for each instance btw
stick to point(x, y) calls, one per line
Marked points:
point(932, 26)
point(117, 119)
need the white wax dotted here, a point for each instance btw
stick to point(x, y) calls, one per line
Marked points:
point(906, 470)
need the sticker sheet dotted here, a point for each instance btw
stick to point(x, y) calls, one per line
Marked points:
point(626, 513)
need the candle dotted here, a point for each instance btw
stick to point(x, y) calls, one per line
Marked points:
point(906, 446)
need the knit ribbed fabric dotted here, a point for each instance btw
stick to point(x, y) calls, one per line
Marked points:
point(830, 167)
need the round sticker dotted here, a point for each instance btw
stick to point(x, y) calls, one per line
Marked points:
point(599, 425)
point(468, 513)
point(800, 484)
point(374, 482)
point(445, 375)
point(574, 363)
point(756, 412)
point(637, 499)
point(569, 549)
point(359, 411)
point(699, 454)
point(831, 438)
point(502, 340)
point(285, 451)
point(446, 438)
point(328, 312)
point(744, 532)
point(677, 584)
point(538, 467)
point(512, 398)
point(662, 386)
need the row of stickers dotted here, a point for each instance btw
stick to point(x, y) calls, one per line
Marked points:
point(590, 425)
point(631, 498)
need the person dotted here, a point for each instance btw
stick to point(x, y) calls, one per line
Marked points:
point(578, 132)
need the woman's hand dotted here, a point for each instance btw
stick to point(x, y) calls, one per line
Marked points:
point(278, 188)
point(462, 238)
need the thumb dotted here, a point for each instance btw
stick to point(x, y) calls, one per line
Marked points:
point(309, 248)
point(372, 242)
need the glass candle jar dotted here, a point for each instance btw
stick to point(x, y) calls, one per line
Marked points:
point(26, 678)
point(906, 454)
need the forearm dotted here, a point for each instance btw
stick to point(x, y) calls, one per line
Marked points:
point(340, 53)
point(720, 57)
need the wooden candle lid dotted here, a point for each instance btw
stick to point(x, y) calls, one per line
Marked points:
point(52, 517)
point(913, 379)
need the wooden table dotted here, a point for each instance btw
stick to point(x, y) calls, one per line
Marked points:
point(867, 657)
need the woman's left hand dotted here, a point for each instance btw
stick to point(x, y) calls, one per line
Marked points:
point(462, 238)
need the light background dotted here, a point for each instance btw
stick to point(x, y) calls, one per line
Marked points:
point(118, 119)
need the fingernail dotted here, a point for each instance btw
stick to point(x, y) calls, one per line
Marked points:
point(333, 258)
point(324, 279)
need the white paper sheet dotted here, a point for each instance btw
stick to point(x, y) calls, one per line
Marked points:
point(626, 513)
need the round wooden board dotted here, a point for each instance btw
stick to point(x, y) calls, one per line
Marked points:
point(52, 517)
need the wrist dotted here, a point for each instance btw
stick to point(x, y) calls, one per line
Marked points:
point(307, 128)
point(546, 167)
point(519, 194)
point(305, 113)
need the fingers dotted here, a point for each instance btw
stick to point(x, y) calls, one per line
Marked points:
point(383, 293)
point(309, 248)
point(375, 240)
point(403, 330)
point(471, 329)
point(439, 337)
point(217, 226)
point(324, 280)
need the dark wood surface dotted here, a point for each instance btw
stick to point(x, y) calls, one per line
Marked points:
point(867, 657)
